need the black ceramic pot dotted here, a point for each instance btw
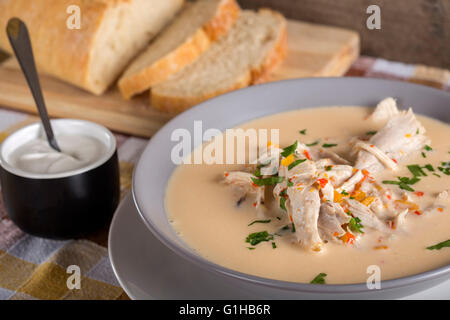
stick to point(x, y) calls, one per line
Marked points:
point(65, 205)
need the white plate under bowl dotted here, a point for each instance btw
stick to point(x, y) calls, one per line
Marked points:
point(146, 269)
point(155, 168)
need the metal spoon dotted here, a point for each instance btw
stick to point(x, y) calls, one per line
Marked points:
point(20, 41)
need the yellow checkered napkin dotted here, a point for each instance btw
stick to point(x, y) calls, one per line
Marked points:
point(35, 268)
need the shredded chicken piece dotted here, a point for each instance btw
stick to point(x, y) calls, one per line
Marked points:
point(331, 220)
point(385, 110)
point(381, 156)
point(337, 159)
point(400, 219)
point(243, 181)
point(439, 204)
point(305, 206)
point(401, 136)
point(368, 218)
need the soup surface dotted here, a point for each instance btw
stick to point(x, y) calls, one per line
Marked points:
point(205, 213)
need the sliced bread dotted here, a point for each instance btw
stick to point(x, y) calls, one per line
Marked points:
point(183, 41)
point(255, 44)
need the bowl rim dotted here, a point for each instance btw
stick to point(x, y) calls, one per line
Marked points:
point(210, 266)
point(109, 152)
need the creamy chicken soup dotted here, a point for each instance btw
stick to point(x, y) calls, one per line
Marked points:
point(354, 190)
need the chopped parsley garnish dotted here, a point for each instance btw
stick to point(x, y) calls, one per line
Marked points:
point(344, 193)
point(260, 221)
point(429, 167)
point(416, 170)
point(315, 143)
point(289, 150)
point(371, 133)
point(440, 245)
point(435, 174)
point(319, 279)
point(289, 183)
point(251, 248)
point(445, 168)
point(258, 237)
point(257, 173)
point(302, 131)
point(261, 165)
point(283, 203)
point(274, 245)
point(293, 227)
point(328, 168)
point(355, 225)
point(329, 145)
point(295, 163)
point(424, 155)
point(404, 182)
point(267, 181)
point(407, 180)
point(428, 148)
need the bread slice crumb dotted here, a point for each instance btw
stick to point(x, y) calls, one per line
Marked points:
point(198, 25)
point(255, 45)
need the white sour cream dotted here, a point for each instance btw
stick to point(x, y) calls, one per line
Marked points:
point(36, 155)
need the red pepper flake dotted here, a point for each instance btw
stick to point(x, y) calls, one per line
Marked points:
point(290, 218)
point(417, 212)
point(372, 146)
point(394, 160)
point(322, 182)
point(306, 153)
point(440, 209)
point(419, 193)
point(359, 184)
point(391, 225)
point(389, 197)
point(226, 174)
point(254, 204)
point(349, 238)
point(365, 172)
point(254, 184)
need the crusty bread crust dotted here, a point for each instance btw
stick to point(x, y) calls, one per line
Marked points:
point(226, 15)
point(185, 54)
point(63, 53)
point(260, 74)
point(275, 57)
point(159, 71)
point(176, 104)
point(74, 58)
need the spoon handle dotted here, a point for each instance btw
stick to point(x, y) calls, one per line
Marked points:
point(20, 41)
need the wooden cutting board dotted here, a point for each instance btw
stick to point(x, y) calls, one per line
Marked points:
point(313, 51)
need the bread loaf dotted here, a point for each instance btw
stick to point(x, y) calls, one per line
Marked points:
point(183, 41)
point(111, 33)
point(256, 43)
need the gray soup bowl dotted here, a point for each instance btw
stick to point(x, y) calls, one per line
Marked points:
point(155, 168)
